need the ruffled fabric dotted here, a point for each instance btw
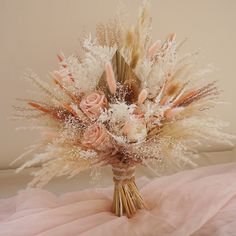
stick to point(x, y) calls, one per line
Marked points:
point(196, 202)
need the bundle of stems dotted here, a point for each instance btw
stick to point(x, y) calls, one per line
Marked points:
point(126, 199)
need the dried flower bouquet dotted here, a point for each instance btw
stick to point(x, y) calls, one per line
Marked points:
point(126, 101)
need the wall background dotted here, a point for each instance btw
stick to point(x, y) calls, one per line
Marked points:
point(33, 31)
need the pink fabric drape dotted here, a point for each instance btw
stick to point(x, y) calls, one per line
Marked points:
point(196, 202)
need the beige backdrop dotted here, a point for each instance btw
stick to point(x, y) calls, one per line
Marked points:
point(33, 31)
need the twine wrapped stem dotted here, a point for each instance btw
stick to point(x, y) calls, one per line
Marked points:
point(126, 199)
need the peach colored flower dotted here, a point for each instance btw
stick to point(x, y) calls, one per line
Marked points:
point(135, 131)
point(142, 96)
point(93, 103)
point(96, 137)
point(110, 78)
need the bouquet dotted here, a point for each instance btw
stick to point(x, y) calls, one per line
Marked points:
point(124, 101)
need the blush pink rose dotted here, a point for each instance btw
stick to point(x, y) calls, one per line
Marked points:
point(96, 137)
point(93, 104)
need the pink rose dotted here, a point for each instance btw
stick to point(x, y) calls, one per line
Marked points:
point(96, 137)
point(93, 103)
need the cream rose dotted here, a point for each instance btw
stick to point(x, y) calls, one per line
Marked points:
point(93, 104)
point(135, 131)
point(96, 137)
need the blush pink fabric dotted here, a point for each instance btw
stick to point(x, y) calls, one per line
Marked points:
point(196, 202)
